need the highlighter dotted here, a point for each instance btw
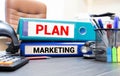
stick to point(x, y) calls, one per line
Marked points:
point(114, 54)
point(109, 54)
point(118, 54)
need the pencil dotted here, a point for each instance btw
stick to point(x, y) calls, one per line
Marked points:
point(38, 57)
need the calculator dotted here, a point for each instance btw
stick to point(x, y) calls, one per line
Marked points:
point(9, 62)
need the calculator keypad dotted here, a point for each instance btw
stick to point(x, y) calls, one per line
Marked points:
point(10, 62)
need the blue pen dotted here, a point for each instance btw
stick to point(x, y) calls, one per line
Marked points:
point(100, 23)
point(104, 34)
point(114, 51)
point(96, 25)
point(116, 23)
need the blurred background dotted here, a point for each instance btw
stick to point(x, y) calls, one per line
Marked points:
point(69, 9)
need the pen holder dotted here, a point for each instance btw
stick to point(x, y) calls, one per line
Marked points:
point(107, 45)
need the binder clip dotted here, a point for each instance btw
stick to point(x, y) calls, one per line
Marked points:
point(88, 50)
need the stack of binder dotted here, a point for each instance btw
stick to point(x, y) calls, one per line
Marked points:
point(42, 37)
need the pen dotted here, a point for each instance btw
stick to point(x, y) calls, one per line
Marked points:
point(104, 37)
point(94, 22)
point(116, 23)
point(109, 26)
point(109, 34)
point(100, 23)
point(114, 49)
point(109, 48)
point(38, 57)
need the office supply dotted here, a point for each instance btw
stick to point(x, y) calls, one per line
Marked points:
point(110, 14)
point(100, 23)
point(109, 54)
point(104, 37)
point(88, 50)
point(99, 32)
point(108, 51)
point(114, 54)
point(118, 54)
point(110, 40)
point(59, 49)
point(38, 57)
point(94, 22)
point(116, 23)
point(109, 34)
point(109, 26)
point(8, 31)
point(114, 49)
point(10, 62)
point(55, 30)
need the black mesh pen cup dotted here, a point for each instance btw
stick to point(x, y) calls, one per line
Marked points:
point(107, 45)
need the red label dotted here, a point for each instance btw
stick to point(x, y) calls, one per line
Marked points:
point(50, 29)
point(55, 30)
